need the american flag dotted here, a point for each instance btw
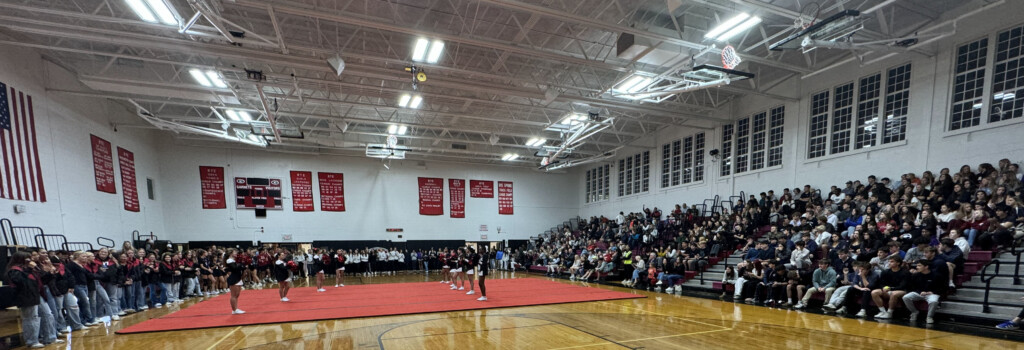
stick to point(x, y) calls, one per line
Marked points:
point(20, 175)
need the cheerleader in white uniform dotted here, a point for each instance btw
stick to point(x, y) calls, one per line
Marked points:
point(318, 267)
point(339, 272)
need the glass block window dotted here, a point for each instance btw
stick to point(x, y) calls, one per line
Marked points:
point(968, 84)
point(842, 118)
point(777, 118)
point(819, 125)
point(634, 174)
point(742, 144)
point(597, 184)
point(1007, 100)
point(691, 153)
point(666, 159)
point(727, 142)
point(698, 157)
point(867, 110)
point(897, 103)
point(757, 140)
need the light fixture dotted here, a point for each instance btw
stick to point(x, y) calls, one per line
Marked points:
point(253, 138)
point(410, 101)
point(510, 157)
point(534, 142)
point(732, 27)
point(233, 115)
point(246, 117)
point(393, 129)
point(426, 51)
point(416, 100)
point(574, 119)
point(404, 100)
point(633, 84)
point(163, 11)
point(207, 78)
point(141, 10)
point(402, 129)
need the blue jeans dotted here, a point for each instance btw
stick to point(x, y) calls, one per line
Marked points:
point(669, 280)
point(158, 297)
point(30, 324)
point(971, 234)
point(84, 304)
point(51, 303)
point(69, 303)
point(137, 299)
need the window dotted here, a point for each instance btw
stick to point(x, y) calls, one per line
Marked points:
point(835, 130)
point(758, 141)
point(634, 174)
point(842, 118)
point(867, 110)
point(690, 150)
point(1008, 76)
point(597, 183)
point(897, 104)
point(778, 116)
point(968, 84)
point(819, 125)
point(727, 149)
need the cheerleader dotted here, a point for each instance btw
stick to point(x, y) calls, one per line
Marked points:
point(282, 274)
point(318, 269)
point(220, 282)
point(235, 271)
point(364, 262)
point(339, 271)
point(445, 268)
point(485, 256)
point(457, 272)
point(471, 261)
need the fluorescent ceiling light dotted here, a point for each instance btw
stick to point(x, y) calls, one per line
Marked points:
point(725, 26)
point(574, 118)
point(254, 138)
point(750, 23)
point(141, 10)
point(393, 129)
point(421, 50)
point(416, 102)
point(163, 12)
point(633, 84)
point(215, 79)
point(534, 142)
point(200, 77)
point(402, 129)
point(246, 117)
point(510, 157)
point(404, 101)
point(233, 115)
point(435, 51)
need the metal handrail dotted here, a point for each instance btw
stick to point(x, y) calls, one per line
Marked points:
point(41, 240)
point(988, 282)
point(101, 239)
point(1017, 253)
point(68, 245)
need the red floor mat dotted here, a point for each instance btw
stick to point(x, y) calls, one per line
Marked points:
point(264, 306)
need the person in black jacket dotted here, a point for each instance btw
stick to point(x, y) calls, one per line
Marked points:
point(282, 275)
point(62, 290)
point(82, 283)
point(924, 285)
point(892, 282)
point(235, 271)
point(485, 269)
point(24, 275)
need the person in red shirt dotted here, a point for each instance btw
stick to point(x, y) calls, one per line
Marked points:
point(263, 261)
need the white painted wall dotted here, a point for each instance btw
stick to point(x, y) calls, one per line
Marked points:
point(375, 199)
point(64, 123)
point(928, 147)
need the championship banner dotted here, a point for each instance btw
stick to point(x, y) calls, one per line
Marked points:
point(258, 193)
point(103, 165)
point(211, 179)
point(431, 196)
point(481, 189)
point(302, 190)
point(332, 191)
point(504, 198)
point(457, 197)
point(126, 161)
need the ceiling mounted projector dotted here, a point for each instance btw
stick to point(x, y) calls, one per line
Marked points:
point(337, 63)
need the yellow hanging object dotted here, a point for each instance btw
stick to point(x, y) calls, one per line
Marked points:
point(421, 77)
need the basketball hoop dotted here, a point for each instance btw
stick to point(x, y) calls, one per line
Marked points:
point(730, 59)
point(808, 15)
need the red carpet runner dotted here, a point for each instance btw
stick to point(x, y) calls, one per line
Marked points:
point(264, 306)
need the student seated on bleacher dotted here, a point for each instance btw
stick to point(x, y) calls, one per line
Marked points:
point(924, 285)
point(673, 273)
point(858, 284)
point(891, 283)
point(822, 281)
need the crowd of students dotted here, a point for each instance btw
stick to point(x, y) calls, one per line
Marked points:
point(867, 248)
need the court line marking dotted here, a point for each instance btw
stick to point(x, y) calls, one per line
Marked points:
point(666, 315)
point(676, 335)
point(224, 337)
point(589, 345)
point(472, 331)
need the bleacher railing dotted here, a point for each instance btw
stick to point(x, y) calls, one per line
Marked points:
point(105, 242)
point(76, 246)
point(987, 279)
point(49, 242)
point(136, 236)
point(19, 235)
point(1016, 250)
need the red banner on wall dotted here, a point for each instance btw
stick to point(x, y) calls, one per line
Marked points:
point(302, 190)
point(103, 165)
point(481, 189)
point(431, 196)
point(457, 197)
point(504, 197)
point(129, 186)
point(332, 191)
point(211, 179)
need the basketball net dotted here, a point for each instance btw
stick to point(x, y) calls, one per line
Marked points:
point(730, 59)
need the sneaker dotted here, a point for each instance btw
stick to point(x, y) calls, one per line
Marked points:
point(285, 299)
point(341, 285)
point(659, 282)
point(770, 301)
point(335, 286)
point(481, 299)
point(913, 317)
point(59, 341)
point(321, 290)
point(862, 313)
point(800, 305)
point(122, 313)
point(883, 315)
point(115, 318)
point(930, 320)
point(1008, 325)
point(462, 288)
point(159, 305)
point(841, 311)
point(443, 281)
point(237, 312)
point(37, 346)
point(829, 306)
point(471, 292)
point(144, 308)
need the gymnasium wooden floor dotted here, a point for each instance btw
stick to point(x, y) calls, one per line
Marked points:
point(661, 321)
